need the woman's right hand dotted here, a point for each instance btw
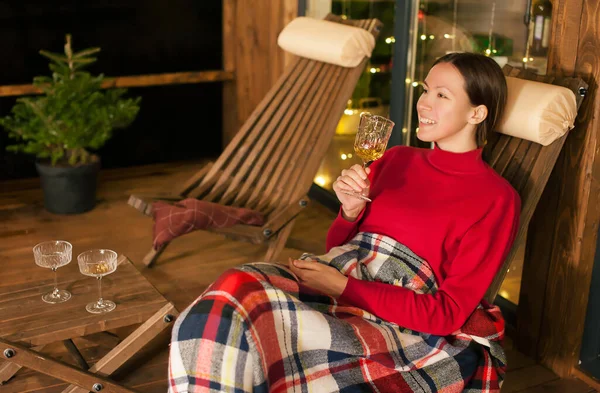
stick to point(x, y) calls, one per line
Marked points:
point(352, 179)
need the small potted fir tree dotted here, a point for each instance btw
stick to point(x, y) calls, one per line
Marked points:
point(72, 117)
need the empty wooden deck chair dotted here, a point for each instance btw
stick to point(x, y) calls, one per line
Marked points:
point(270, 164)
point(526, 165)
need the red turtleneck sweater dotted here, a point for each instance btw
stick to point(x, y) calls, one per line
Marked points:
point(452, 210)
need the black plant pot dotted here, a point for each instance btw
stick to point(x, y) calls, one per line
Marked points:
point(69, 190)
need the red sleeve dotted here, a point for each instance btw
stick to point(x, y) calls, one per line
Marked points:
point(481, 253)
point(341, 230)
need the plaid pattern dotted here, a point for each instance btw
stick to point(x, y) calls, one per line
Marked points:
point(171, 221)
point(256, 329)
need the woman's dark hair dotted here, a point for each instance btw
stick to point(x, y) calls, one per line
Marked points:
point(485, 84)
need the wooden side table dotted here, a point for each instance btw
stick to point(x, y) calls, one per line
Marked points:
point(27, 323)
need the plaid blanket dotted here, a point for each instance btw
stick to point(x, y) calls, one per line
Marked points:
point(256, 329)
point(173, 220)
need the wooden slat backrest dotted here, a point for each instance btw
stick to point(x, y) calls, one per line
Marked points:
point(274, 157)
point(310, 142)
point(526, 165)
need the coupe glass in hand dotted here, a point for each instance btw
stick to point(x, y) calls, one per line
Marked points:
point(371, 141)
point(52, 255)
point(98, 263)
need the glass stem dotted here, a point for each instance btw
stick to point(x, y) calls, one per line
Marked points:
point(55, 290)
point(100, 301)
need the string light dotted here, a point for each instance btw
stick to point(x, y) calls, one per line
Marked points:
point(321, 180)
point(343, 156)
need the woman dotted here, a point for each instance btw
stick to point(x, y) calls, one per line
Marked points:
point(396, 303)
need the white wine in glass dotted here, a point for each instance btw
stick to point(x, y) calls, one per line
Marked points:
point(370, 143)
point(98, 263)
point(52, 255)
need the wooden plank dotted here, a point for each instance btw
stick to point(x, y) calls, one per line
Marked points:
point(282, 157)
point(173, 78)
point(516, 360)
point(131, 345)
point(575, 232)
point(46, 365)
point(561, 56)
point(527, 377)
point(229, 116)
point(569, 385)
point(103, 339)
point(528, 168)
point(256, 155)
point(585, 380)
point(243, 134)
point(311, 140)
point(310, 165)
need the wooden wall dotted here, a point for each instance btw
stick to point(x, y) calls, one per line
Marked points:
point(562, 236)
point(250, 30)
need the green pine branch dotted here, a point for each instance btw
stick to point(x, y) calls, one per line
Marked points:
point(73, 115)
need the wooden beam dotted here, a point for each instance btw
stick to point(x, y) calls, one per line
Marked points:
point(575, 211)
point(229, 111)
point(174, 78)
point(541, 233)
point(259, 61)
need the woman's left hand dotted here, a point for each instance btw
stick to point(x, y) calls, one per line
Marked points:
point(320, 277)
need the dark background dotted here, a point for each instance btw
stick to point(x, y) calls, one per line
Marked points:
point(137, 37)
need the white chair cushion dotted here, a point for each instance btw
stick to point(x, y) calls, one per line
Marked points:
point(538, 112)
point(326, 41)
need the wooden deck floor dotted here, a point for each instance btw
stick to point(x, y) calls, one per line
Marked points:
point(190, 264)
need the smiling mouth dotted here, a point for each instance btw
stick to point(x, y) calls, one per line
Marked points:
point(424, 120)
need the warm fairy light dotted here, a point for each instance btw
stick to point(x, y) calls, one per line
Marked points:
point(417, 130)
point(448, 35)
point(390, 40)
point(373, 70)
point(431, 37)
point(343, 156)
point(415, 84)
point(524, 60)
point(404, 130)
point(350, 112)
point(488, 52)
point(321, 180)
point(423, 37)
point(349, 155)
point(407, 80)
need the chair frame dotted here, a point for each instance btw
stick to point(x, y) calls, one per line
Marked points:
point(526, 165)
point(270, 164)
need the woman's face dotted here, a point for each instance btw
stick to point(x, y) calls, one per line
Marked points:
point(446, 115)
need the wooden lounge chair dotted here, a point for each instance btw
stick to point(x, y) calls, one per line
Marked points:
point(270, 164)
point(526, 165)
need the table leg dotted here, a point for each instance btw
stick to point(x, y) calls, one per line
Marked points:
point(9, 369)
point(25, 357)
point(162, 319)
